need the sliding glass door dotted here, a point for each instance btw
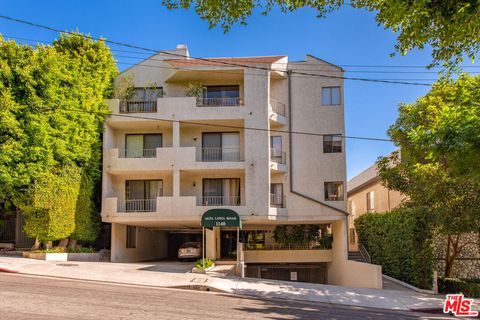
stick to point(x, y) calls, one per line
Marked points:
point(142, 145)
point(220, 146)
point(141, 195)
point(221, 192)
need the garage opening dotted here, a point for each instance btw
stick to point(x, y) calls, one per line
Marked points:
point(313, 273)
point(177, 238)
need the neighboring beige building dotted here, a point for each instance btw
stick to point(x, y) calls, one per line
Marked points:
point(365, 193)
point(170, 160)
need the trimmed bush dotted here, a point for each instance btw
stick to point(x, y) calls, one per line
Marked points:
point(199, 265)
point(401, 242)
point(469, 288)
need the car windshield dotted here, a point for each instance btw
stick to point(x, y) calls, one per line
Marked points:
point(190, 245)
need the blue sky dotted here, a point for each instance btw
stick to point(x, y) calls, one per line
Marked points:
point(345, 37)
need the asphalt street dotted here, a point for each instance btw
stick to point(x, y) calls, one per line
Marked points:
point(30, 297)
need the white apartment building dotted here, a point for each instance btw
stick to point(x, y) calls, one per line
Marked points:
point(239, 151)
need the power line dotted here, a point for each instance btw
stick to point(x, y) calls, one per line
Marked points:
point(141, 64)
point(105, 114)
point(208, 59)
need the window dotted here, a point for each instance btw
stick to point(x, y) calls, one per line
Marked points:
point(334, 191)
point(141, 195)
point(131, 237)
point(148, 94)
point(276, 149)
point(351, 208)
point(276, 195)
point(221, 192)
point(352, 236)
point(331, 96)
point(254, 239)
point(142, 145)
point(332, 143)
point(220, 146)
point(222, 95)
point(370, 201)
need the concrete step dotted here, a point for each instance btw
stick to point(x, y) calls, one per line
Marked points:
point(355, 256)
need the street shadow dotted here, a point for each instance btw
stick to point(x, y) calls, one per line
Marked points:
point(283, 308)
point(168, 266)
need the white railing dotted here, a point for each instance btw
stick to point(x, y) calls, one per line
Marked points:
point(218, 201)
point(278, 156)
point(134, 153)
point(219, 102)
point(215, 154)
point(278, 107)
point(138, 205)
point(138, 106)
point(277, 200)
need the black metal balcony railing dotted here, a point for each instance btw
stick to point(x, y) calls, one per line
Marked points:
point(214, 154)
point(219, 201)
point(138, 106)
point(278, 156)
point(278, 107)
point(277, 200)
point(219, 102)
point(137, 153)
point(138, 205)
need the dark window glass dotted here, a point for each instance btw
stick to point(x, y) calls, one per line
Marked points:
point(332, 143)
point(331, 96)
point(333, 191)
point(131, 237)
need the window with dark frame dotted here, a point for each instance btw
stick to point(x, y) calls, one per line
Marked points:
point(353, 240)
point(333, 191)
point(131, 237)
point(331, 96)
point(332, 143)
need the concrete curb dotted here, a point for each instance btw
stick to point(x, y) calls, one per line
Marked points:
point(8, 270)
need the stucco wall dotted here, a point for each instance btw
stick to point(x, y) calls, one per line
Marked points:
point(149, 245)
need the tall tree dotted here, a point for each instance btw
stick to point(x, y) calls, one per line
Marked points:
point(438, 165)
point(50, 100)
point(451, 27)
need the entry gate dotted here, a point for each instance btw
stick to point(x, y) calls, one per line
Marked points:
point(315, 273)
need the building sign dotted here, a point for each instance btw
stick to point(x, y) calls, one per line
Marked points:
point(221, 218)
point(293, 276)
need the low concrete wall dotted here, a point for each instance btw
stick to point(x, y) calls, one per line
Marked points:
point(287, 256)
point(355, 274)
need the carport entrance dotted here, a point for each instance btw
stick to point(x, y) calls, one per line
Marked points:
point(177, 238)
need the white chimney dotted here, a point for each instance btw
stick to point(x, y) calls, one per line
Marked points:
point(182, 50)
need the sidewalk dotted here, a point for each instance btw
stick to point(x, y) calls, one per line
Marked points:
point(176, 275)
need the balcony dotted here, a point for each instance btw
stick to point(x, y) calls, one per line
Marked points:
point(137, 205)
point(219, 154)
point(278, 161)
point(218, 201)
point(219, 102)
point(278, 112)
point(138, 106)
point(145, 153)
point(278, 201)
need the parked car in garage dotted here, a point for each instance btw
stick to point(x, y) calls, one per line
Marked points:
point(190, 250)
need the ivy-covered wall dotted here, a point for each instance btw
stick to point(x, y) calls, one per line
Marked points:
point(401, 242)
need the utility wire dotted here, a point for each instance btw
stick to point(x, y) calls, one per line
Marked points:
point(141, 64)
point(106, 114)
point(208, 59)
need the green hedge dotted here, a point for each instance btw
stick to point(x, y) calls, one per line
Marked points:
point(401, 242)
point(469, 288)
